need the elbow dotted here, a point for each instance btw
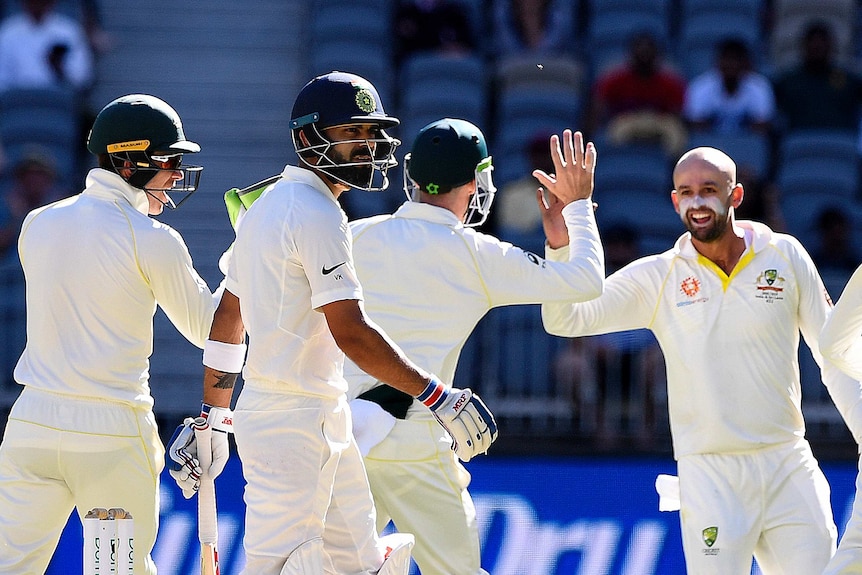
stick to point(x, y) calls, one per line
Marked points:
point(553, 325)
point(595, 287)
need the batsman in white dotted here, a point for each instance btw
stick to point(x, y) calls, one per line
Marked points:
point(841, 346)
point(727, 304)
point(292, 285)
point(428, 278)
point(82, 433)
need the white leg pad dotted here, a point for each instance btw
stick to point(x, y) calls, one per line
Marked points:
point(307, 558)
point(397, 553)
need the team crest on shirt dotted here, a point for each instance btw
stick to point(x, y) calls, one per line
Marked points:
point(690, 289)
point(770, 286)
point(710, 536)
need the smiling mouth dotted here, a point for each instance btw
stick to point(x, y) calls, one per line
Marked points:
point(700, 218)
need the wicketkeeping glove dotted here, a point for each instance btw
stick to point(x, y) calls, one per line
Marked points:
point(464, 415)
point(181, 458)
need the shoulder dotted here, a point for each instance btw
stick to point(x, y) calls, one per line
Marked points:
point(358, 227)
point(158, 234)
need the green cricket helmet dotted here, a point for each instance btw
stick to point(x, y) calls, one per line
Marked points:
point(447, 154)
point(144, 134)
point(339, 99)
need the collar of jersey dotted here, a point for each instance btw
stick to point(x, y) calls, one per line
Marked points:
point(761, 236)
point(418, 211)
point(110, 186)
point(304, 176)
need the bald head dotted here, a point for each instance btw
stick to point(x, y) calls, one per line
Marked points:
point(705, 156)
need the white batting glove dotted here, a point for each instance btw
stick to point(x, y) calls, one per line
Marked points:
point(221, 422)
point(182, 459)
point(464, 415)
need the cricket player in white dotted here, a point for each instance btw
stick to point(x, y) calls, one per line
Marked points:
point(82, 433)
point(428, 278)
point(841, 346)
point(292, 284)
point(727, 304)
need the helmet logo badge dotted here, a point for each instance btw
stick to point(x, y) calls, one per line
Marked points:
point(133, 146)
point(365, 100)
point(432, 188)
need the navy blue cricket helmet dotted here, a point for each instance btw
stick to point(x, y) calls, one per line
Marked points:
point(338, 99)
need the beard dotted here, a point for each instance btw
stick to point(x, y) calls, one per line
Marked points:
point(709, 234)
point(357, 176)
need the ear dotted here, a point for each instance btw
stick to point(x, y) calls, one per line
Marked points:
point(303, 138)
point(736, 195)
point(125, 172)
point(675, 200)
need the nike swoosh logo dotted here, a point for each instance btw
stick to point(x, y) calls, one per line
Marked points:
point(326, 271)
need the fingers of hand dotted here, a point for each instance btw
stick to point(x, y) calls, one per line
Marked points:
point(590, 158)
point(573, 142)
point(220, 454)
point(473, 429)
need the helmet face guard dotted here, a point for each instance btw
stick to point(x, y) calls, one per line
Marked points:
point(480, 202)
point(144, 166)
point(357, 174)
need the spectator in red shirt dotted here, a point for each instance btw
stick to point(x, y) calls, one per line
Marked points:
point(640, 100)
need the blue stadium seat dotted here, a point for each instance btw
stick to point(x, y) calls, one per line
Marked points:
point(632, 166)
point(701, 32)
point(614, 22)
point(41, 117)
point(816, 143)
point(367, 60)
point(353, 36)
point(437, 86)
point(750, 150)
point(800, 213)
point(820, 161)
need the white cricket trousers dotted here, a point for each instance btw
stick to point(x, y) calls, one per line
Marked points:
point(308, 504)
point(61, 452)
point(418, 482)
point(848, 559)
point(771, 503)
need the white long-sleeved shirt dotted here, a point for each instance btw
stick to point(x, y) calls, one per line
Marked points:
point(730, 343)
point(841, 346)
point(292, 255)
point(428, 280)
point(96, 266)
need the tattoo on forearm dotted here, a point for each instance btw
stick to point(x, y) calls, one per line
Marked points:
point(226, 381)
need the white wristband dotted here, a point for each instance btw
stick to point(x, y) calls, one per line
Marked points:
point(225, 357)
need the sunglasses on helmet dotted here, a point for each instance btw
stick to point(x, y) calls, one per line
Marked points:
point(167, 162)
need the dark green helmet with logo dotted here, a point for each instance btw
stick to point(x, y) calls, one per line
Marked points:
point(139, 122)
point(143, 134)
point(447, 154)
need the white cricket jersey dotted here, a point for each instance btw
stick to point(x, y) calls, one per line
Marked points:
point(96, 266)
point(292, 255)
point(428, 280)
point(730, 342)
point(841, 346)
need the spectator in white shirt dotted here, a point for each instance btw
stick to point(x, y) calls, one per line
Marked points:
point(730, 97)
point(40, 48)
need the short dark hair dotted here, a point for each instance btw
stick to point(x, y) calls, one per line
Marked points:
point(733, 47)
